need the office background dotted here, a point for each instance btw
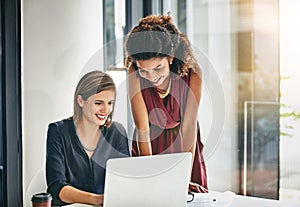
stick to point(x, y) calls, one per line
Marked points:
point(249, 113)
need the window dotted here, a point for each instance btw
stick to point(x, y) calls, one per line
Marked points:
point(290, 101)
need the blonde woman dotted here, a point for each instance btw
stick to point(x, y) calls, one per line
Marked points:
point(78, 147)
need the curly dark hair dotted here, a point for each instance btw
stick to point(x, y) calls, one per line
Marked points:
point(156, 36)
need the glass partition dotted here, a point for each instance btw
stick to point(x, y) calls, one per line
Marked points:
point(261, 149)
point(240, 40)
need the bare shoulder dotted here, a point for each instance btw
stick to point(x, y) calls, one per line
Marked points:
point(196, 76)
point(131, 69)
point(196, 71)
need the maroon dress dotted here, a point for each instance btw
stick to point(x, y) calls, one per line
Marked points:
point(165, 117)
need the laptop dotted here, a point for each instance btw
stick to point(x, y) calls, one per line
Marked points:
point(157, 180)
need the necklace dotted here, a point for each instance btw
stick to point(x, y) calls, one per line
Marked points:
point(164, 93)
point(86, 148)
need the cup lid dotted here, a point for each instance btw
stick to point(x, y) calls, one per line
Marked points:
point(41, 197)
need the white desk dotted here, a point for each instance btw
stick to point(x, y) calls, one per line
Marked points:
point(246, 201)
point(228, 199)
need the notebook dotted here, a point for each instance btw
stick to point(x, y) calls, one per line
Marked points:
point(158, 180)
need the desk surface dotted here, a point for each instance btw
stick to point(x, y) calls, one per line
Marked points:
point(247, 201)
point(228, 199)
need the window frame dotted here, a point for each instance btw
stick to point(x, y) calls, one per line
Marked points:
point(11, 134)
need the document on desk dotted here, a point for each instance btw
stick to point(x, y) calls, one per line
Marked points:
point(212, 199)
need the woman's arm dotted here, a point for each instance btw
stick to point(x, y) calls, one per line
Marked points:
point(70, 194)
point(140, 114)
point(55, 163)
point(189, 126)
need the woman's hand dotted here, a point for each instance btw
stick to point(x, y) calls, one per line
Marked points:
point(97, 199)
point(194, 187)
point(70, 194)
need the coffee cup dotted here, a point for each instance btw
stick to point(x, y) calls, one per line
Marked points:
point(41, 200)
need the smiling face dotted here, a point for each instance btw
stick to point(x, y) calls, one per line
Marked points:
point(156, 70)
point(97, 108)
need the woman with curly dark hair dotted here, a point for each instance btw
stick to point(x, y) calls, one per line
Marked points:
point(165, 90)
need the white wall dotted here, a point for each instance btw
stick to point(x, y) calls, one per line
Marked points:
point(61, 41)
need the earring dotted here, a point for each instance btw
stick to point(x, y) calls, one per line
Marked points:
point(171, 62)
